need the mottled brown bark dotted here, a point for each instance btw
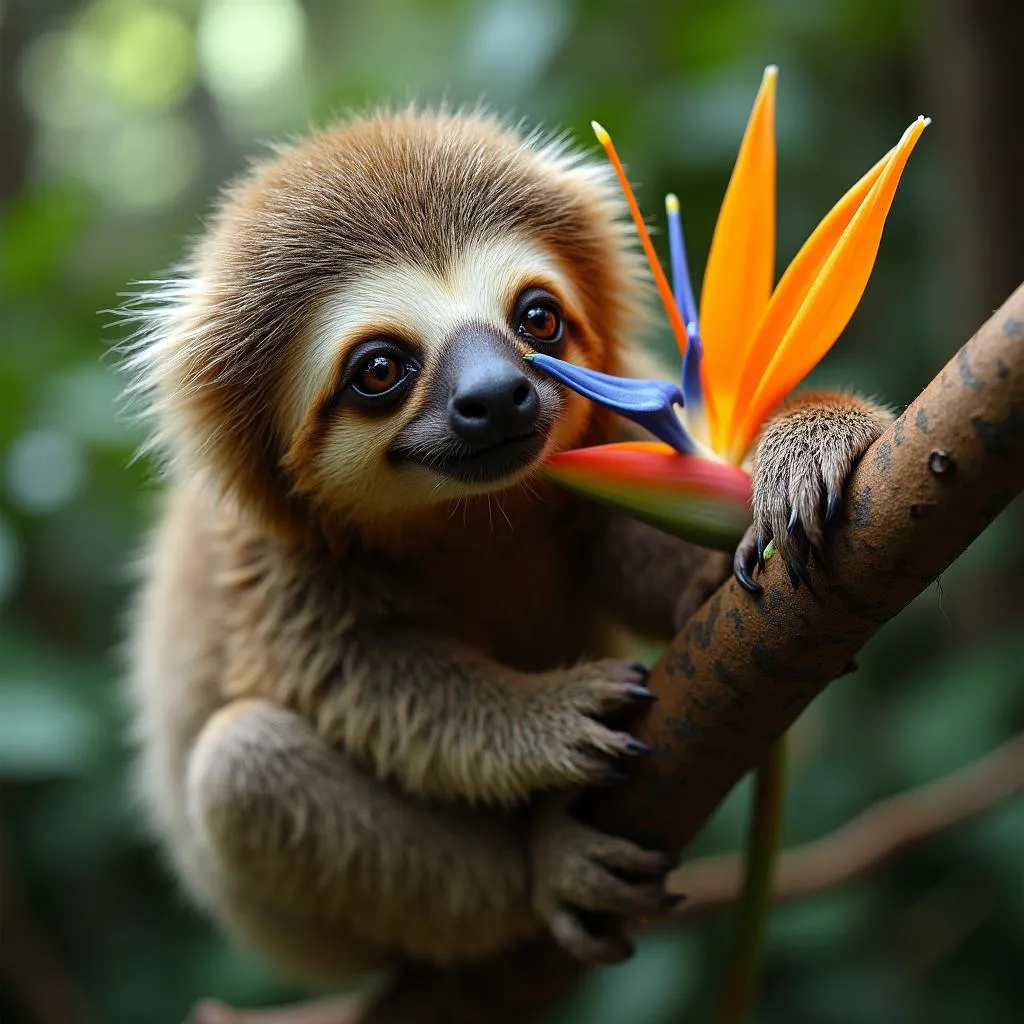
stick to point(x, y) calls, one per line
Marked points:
point(743, 670)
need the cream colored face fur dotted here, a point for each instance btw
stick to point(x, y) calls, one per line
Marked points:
point(423, 306)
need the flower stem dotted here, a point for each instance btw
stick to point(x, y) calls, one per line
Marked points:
point(741, 980)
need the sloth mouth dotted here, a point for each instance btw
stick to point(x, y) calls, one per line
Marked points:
point(490, 463)
point(493, 462)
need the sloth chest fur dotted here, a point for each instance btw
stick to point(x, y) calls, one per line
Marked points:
point(518, 595)
point(524, 601)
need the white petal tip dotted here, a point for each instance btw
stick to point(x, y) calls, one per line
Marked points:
point(602, 136)
point(915, 127)
point(771, 71)
point(672, 203)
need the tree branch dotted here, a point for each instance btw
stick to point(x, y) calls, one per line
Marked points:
point(742, 671)
point(876, 834)
point(336, 1010)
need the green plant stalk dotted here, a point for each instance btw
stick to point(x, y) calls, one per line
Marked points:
point(741, 980)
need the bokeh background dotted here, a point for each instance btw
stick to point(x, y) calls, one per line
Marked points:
point(119, 119)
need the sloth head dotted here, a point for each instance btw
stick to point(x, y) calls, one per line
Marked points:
point(347, 339)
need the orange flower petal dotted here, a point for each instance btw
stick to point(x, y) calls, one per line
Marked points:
point(741, 262)
point(796, 282)
point(660, 281)
point(831, 300)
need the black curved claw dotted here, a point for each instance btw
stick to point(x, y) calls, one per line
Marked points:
point(799, 567)
point(761, 545)
point(819, 558)
point(743, 561)
point(794, 575)
point(831, 506)
point(641, 692)
point(743, 577)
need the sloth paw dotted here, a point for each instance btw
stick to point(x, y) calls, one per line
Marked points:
point(803, 461)
point(588, 884)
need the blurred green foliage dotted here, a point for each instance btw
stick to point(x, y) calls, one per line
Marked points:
point(119, 120)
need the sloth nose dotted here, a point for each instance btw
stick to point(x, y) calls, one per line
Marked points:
point(493, 402)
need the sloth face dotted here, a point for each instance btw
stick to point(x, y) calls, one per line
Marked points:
point(412, 388)
point(346, 339)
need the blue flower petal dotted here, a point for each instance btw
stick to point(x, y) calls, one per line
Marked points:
point(680, 269)
point(651, 403)
point(693, 388)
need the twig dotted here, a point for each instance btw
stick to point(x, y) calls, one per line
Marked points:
point(337, 1010)
point(740, 986)
point(875, 835)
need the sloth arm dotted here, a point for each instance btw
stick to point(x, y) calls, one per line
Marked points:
point(412, 707)
point(803, 457)
point(650, 581)
point(445, 722)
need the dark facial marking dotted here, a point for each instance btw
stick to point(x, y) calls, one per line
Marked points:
point(488, 414)
point(492, 400)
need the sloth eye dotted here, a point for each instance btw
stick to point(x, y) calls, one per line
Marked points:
point(378, 374)
point(541, 322)
point(539, 317)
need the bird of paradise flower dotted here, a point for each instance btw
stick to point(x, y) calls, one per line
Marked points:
point(748, 348)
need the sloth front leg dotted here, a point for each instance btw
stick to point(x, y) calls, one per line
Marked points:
point(446, 723)
point(305, 843)
point(649, 580)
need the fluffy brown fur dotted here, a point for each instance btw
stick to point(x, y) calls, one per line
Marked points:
point(364, 692)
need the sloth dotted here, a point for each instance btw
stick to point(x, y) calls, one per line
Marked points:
point(375, 655)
